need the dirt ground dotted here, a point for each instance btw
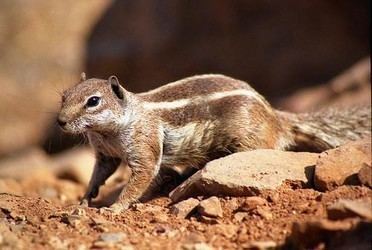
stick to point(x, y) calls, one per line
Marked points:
point(42, 213)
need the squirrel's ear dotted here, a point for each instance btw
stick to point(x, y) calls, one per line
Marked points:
point(83, 77)
point(115, 86)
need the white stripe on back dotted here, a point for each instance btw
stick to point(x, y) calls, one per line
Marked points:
point(211, 97)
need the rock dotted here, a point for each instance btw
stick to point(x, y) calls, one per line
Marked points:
point(227, 230)
point(32, 162)
point(72, 220)
point(11, 186)
point(112, 237)
point(239, 216)
point(345, 234)
point(350, 208)
point(210, 207)
point(247, 173)
point(184, 208)
point(265, 213)
point(365, 175)
point(76, 165)
point(262, 245)
point(197, 246)
point(9, 239)
point(58, 243)
point(208, 220)
point(252, 203)
point(160, 218)
point(340, 166)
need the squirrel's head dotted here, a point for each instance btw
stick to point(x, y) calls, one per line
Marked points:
point(93, 104)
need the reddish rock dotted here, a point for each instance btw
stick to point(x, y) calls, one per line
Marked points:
point(365, 175)
point(248, 173)
point(184, 208)
point(210, 207)
point(32, 162)
point(327, 234)
point(252, 203)
point(350, 208)
point(340, 166)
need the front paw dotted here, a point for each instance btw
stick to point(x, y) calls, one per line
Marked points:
point(84, 202)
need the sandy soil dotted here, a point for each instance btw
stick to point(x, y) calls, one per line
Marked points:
point(45, 216)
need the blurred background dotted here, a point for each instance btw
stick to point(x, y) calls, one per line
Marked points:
point(301, 55)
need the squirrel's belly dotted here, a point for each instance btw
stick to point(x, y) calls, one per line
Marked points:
point(188, 145)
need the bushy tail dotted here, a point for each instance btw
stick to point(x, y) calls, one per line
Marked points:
point(327, 128)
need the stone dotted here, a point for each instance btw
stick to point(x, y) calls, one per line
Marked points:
point(328, 234)
point(197, 246)
point(227, 230)
point(112, 237)
point(350, 208)
point(208, 220)
point(262, 245)
point(32, 162)
point(210, 207)
point(160, 218)
point(251, 203)
point(365, 175)
point(184, 208)
point(75, 164)
point(265, 213)
point(239, 216)
point(247, 173)
point(340, 166)
point(72, 220)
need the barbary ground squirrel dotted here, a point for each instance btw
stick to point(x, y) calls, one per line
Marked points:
point(187, 123)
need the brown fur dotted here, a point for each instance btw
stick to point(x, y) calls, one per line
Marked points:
point(185, 124)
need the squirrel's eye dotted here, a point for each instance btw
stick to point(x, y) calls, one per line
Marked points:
point(93, 101)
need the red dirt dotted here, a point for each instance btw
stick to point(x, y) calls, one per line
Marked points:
point(31, 222)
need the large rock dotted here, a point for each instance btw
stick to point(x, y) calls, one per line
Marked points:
point(247, 173)
point(340, 166)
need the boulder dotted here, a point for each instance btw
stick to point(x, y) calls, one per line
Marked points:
point(341, 165)
point(248, 173)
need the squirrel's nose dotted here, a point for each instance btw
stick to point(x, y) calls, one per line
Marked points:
point(61, 122)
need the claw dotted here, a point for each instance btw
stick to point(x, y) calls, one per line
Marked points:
point(84, 203)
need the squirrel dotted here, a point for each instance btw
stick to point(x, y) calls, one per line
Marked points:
point(184, 124)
